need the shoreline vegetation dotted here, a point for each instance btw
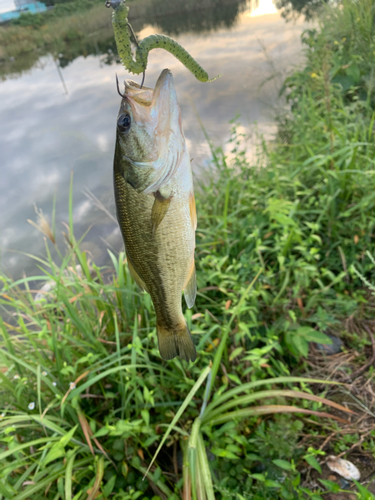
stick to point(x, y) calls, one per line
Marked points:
point(84, 26)
point(285, 262)
point(73, 28)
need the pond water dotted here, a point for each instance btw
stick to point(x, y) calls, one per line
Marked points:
point(59, 117)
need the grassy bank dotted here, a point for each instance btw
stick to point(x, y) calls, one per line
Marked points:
point(86, 402)
point(84, 27)
point(19, 41)
point(21, 47)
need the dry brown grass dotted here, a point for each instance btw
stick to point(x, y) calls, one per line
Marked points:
point(357, 392)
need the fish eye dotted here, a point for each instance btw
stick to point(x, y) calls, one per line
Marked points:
point(124, 122)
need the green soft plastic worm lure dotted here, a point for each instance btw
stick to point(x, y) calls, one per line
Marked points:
point(121, 28)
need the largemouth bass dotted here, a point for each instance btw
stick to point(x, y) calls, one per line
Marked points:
point(156, 207)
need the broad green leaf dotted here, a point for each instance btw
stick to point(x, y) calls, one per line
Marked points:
point(301, 344)
point(68, 436)
point(354, 72)
point(312, 335)
point(345, 81)
point(258, 477)
point(235, 353)
point(365, 493)
point(234, 378)
point(146, 417)
point(272, 484)
point(108, 487)
point(55, 452)
point(283, 464)
point(104, 431)
point(220, 452)
point(312, 461)
point(330, 485)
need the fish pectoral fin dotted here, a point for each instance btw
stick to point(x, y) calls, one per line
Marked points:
point(190, 290)
point(159, 209)
point(136, 276)
point(193, 211)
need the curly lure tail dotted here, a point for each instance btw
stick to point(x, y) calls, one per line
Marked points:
point(137, 66)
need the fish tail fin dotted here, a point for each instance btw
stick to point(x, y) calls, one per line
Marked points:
point(176, 342)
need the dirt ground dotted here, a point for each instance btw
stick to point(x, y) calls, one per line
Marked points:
point(354, 440)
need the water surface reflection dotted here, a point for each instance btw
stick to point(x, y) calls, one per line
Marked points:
point(58, 120)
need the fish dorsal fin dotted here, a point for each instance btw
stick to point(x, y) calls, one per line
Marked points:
point(190, 289)
point(136, 276)
point(193, 211)
point(159, 209)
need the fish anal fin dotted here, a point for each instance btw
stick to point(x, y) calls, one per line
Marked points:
point(136, 277)
point(190, 288)
point(176, 342)
point(193, 211)
point(159, 209)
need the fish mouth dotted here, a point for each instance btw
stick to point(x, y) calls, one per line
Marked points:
point(157, 126)
point(146, 95)
point(158, 105)
point(134, 92)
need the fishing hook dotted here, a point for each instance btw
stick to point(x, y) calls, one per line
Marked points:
point(118, 89)
point(137, 44)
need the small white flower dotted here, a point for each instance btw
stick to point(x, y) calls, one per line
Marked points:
point(2, 415)
point(44, 373)
point(54, 384)
point(72, 385)
point(31, 406)
point(16, 377)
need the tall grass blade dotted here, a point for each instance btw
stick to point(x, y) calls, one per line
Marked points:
point(204, 469)
point(98, 479)
point(223, 340)
point(68, 476)
point(184, 405)
point(244, 400)
point(267, 410)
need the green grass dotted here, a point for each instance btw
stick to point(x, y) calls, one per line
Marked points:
point(86, 400)
point(73, 28)
point(19, 41)
point(283, 244)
